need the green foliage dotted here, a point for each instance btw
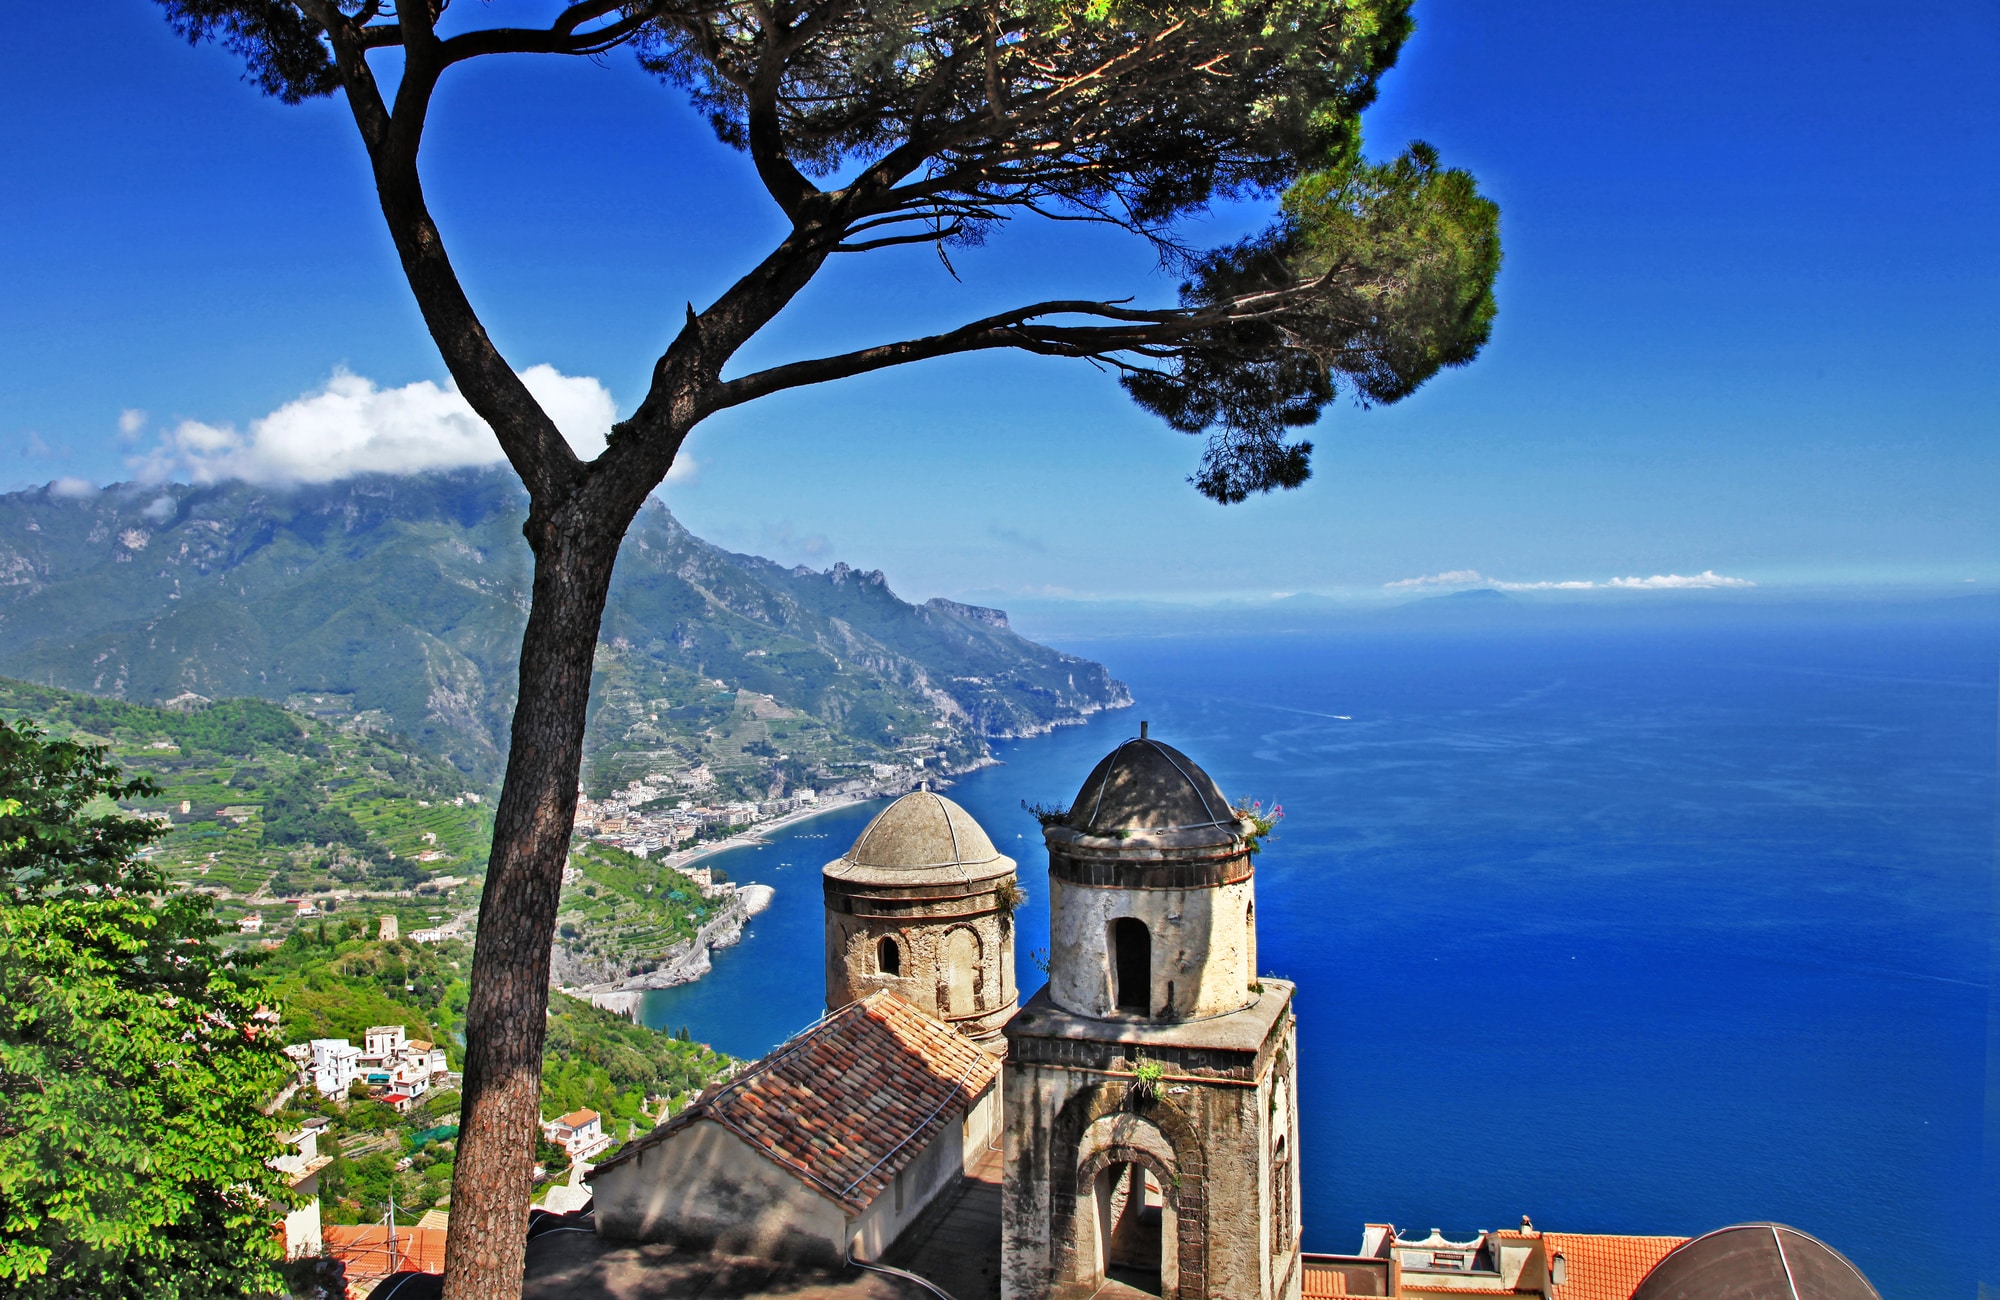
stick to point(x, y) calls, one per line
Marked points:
point(639, 907)
point(603, 1062)
point(1383, 274)
point(133, 1058)
point(236, 728)
point(1146, 1077)
point(264, 788)
point(295, 813)
point(51, 848)
point(338, 986)
point(1261, 821)
point(1152, 137)
point(1136, 115)
point(1046, 814)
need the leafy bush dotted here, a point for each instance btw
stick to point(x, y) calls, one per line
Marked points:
point(133, 1058)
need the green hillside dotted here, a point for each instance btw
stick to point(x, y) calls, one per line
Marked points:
point(619, 908)
point(334, 981)
point(271, 809)
point(397, 602)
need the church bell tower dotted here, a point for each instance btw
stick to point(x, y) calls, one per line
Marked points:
point(923, 905)
point(1151, 1105)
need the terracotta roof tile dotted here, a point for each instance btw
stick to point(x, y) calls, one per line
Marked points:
point(849, 1102)
point(1602, 1266)
point(365, 1250)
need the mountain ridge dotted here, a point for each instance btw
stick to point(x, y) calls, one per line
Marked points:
point(397, 602)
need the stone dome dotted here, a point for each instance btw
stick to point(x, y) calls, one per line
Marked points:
point(921, 839)
point(1756, 1261)
point(1144, 785)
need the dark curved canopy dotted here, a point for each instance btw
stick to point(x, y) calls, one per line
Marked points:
point(1144, 785)
point(1755, 1261)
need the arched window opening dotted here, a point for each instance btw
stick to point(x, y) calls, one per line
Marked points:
point(1132, 965)
point(888, 957)
point(1281, 1197)
point(962, 961)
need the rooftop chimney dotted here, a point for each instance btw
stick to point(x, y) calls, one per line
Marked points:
point(1142, 729)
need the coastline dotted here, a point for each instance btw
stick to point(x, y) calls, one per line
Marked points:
point(685, 966)
point(756, 833)
point(689, 961)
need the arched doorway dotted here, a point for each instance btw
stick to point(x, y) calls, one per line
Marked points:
point(1131, 965)
point(1131, 1215)
point(1129, 1234)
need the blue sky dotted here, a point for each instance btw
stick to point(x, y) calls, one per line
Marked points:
point(1747, 321)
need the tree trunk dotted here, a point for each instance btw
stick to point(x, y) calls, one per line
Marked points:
point(506, 1019)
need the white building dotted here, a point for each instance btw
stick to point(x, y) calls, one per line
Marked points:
point(438, 934)
point(381, 1043)
point(581, 1133)
point(425, 1057)
point(301, 1167)
point(336, 1064)
point(411, 1078)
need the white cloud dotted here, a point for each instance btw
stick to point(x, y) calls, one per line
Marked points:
point(1707, 579)
point(1674, 581)
point(130, 422)
point(72, 488)
point(352, 426)
point(159, 509)
point(1450, 578)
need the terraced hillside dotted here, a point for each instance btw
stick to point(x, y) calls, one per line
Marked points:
point(619, 910)
point(272, 811)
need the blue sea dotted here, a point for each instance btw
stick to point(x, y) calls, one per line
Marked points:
point(1630, 926)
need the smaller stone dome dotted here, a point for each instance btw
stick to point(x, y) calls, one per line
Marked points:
point(1144, 785)
point(922, 838)
point(1756, 1261)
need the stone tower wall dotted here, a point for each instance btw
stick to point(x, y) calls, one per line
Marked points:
point(1208, 1133)
point(1203, 948)
point(956, 951)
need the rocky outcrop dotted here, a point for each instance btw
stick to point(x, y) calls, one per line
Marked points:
point(605, 981)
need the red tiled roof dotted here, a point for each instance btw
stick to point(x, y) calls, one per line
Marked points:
point(848, 1103)
point(365, 1249)
point(577, 1118)
point(1603, 1266)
